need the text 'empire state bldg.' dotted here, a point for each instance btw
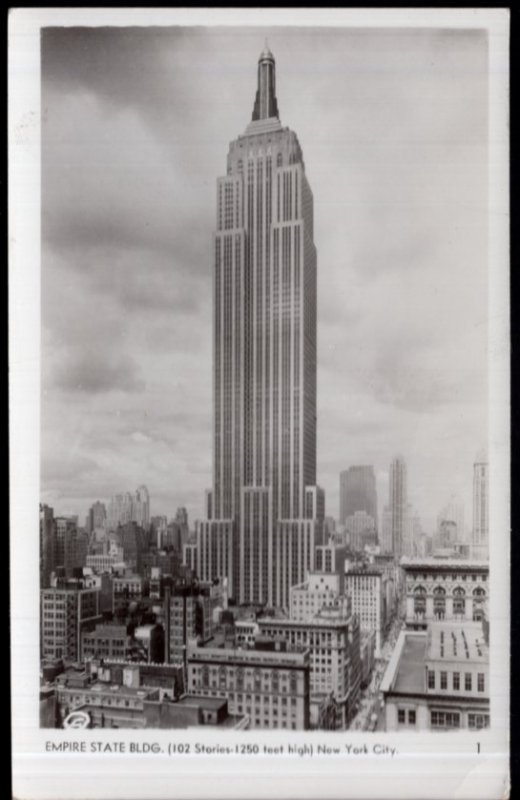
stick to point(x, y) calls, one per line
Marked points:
point(265, 512)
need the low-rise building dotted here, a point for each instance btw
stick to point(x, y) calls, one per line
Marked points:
point(126, 589)
point(108, 705)
point(167, 678)
point(330, 557)
point(321, 589)
point(246, 632)
point(438, 679)
point(367, 591)
point(104, 562)
point(121, 696)
point(332, 636)
point(444, 589)
point(67, 611)
point(188, 615)
point(192, 711)
point(271, 686)
point(105, 641)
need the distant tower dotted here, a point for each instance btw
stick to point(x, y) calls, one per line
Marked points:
point(452, 515)
point(357, 492)
point(398, 505)
point(480, 538)
point(141, 507)
point(265, 512)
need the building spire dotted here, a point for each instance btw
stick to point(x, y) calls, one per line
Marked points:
point(266, 106)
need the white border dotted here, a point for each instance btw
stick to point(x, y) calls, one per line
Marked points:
point(429, 765)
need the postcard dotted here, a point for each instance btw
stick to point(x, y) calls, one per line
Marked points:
point(259, 403)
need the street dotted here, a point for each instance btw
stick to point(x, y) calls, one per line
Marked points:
point(370, 715)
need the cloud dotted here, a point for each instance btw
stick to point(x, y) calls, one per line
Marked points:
point(136, 125)
point(96, 372)
point(141, 438)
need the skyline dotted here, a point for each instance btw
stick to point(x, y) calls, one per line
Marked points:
point(106, 421)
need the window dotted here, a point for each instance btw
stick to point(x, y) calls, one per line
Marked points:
point(478, 721)
point(431, 679)
point(444, 680)
point(480, 682)
point(468, 682)
point(401, 716)
point(411, 717)
point(445, 719)
point(456, 681)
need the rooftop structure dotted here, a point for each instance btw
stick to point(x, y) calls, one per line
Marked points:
point(438, 679)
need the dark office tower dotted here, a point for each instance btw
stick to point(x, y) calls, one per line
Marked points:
point(96, 517)
point(47, 545)
point(265, 512)
point(357, 492)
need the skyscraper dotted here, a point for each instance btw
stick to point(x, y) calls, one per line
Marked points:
point(128, 507)
point(265, 512)
point(453, 513)
point(480, 538)
point(96, 517)
point(357, 492)
point(398, 505)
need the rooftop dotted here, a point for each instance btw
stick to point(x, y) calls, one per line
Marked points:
point(201, 701)
point(103, 687)
point(318, 621)
point(456, 641)
point(410, 670)
point(460, 564)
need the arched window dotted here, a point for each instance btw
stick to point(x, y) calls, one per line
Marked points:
point(439, 602)
point(459, 601)
point(479, 598)
point(240, 165)
point(279, 160)
point(419, 600)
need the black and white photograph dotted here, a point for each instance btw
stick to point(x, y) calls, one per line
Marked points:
point(268, 462)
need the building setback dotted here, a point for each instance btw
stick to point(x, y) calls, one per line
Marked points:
point(264, 514)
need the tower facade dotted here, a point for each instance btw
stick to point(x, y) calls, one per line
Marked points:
point(264, 512)
point(480, 538)
point(398, 506)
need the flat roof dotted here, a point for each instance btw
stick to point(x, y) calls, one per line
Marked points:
point(442, 563)
point(201, 701)
point(410, 670)
point(317, 621)
point(460, 641)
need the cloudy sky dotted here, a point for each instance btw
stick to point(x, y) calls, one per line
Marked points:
point(136, 126)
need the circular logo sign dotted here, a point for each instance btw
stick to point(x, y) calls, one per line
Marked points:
point(77, 719)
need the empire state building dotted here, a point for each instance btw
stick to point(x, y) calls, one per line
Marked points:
point(264, 514)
